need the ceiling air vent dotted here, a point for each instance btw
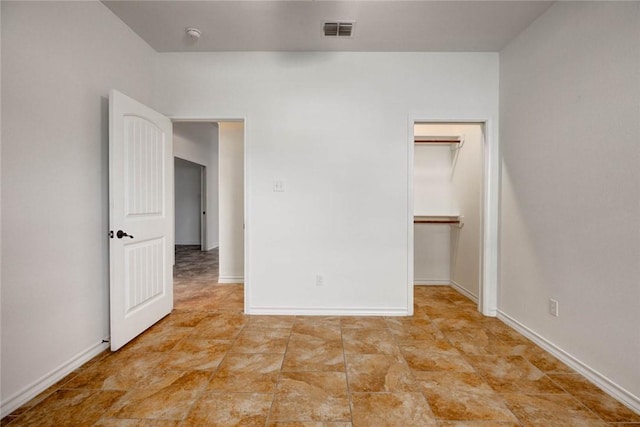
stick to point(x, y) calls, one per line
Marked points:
point(338, 29)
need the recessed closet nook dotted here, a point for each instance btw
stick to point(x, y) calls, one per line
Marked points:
point(447, 200)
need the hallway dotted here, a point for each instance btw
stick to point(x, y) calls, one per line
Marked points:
point(209, 364)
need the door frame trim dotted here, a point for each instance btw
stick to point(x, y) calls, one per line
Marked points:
point(247, 172)
point(488, 289)
point(204, 244)
point(203, 200)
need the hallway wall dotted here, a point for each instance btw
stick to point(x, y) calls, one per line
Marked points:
point(197, 142)
point(231, 177)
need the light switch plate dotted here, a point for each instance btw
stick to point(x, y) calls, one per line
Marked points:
point(553, 307)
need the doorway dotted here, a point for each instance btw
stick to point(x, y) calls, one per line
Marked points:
point(218, 147)
point(194, 261)
point(191, 202)
point(451, 211)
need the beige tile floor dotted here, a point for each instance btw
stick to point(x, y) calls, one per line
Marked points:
point(209, 364)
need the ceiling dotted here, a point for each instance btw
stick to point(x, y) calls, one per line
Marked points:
point(267, 25)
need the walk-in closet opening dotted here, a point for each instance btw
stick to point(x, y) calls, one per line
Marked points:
point(448, 179)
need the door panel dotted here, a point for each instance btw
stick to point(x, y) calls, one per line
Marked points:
point(143, 282)
point(141, 217)
point(144, 149)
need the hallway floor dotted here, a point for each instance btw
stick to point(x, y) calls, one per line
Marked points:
point(209, 364)
point(195, 283)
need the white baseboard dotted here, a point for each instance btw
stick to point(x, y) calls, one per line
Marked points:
point(328, 311)
point(431, 282)
point(32, 390)
point(212, 247)
point(610, 387)
point(455, 285)
point(230, 279)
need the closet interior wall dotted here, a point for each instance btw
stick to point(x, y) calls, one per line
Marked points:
point(448, 183)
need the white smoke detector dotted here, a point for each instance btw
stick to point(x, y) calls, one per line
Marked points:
point(193, 33)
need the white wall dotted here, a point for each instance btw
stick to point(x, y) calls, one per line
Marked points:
point(1, 399)
point(59, 61)
point(333, 128)
point(432, 195)
point(431, 254)
point(432, 189)
point(569, 91)
point(188, 199)
point(197, 142)
point(467, 180)
point(467, 186)
point(231, 178)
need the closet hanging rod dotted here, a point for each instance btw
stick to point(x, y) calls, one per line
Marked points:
point(435, 221)
point(424, 141)
point(436, 141)
point(453, 220)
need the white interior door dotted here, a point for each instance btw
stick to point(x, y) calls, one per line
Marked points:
point(140, 217)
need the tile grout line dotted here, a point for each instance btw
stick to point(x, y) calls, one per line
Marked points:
point(503, 394)
point(576, 399)
point(416, 381)
point(213, 372)
point(464, 355)
point(346, 374)
point(191, 335)
point(275, 389)
point(399, 343)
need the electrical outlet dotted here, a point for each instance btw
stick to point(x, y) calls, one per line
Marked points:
point(319, 280)
point(278, 186)
point(553, 307)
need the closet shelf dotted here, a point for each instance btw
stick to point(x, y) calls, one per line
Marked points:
point(455, 220)
point(455, 141)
